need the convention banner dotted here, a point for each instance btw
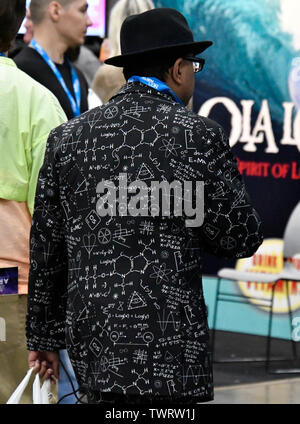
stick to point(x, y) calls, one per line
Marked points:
point(251, 86)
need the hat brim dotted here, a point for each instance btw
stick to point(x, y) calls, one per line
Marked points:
point(192, 48)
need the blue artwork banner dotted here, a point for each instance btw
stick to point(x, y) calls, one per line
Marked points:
point(251, 86)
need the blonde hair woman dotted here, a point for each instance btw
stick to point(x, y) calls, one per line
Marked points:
point(110, 79)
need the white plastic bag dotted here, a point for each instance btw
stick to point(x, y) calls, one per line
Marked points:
point(40, 395)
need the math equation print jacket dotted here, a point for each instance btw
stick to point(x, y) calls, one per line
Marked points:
point(124, 293)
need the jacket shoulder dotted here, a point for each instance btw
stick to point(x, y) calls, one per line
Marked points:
point(193, 121)
point(78, 124)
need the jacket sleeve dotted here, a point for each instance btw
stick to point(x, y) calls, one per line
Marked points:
point(45, 326)
point(231, 227)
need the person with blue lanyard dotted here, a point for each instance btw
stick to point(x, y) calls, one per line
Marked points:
point(57, 27)
point(135, 320)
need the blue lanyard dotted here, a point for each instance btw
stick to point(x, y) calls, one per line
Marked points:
point(2, 54)
point(157, 85)
point(75, 103)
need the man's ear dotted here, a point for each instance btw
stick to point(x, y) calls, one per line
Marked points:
point(176, 71)
point(54, 11)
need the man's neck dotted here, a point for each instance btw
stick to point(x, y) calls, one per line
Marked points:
point(53, 46)
point(176, 89)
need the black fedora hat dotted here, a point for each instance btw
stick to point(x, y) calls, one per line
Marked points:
point(155, 34)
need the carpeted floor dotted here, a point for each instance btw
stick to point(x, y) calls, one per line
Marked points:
point(233, 346)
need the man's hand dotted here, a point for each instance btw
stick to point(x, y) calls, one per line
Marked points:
point(46, 364)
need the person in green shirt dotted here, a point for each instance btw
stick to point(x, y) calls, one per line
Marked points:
point(28, 113)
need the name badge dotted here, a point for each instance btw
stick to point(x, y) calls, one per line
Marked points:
point(8, 281)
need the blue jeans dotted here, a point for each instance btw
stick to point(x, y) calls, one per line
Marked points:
point(64, 385)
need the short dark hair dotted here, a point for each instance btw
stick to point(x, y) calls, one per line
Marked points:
point(38, 9)
point(154, 69)
point(12, 13)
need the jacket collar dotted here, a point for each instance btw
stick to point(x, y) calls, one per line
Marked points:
point(139, 88)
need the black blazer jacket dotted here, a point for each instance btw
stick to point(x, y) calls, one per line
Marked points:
point(124, 293)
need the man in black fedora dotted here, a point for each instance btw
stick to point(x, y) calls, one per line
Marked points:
point(116, 275)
